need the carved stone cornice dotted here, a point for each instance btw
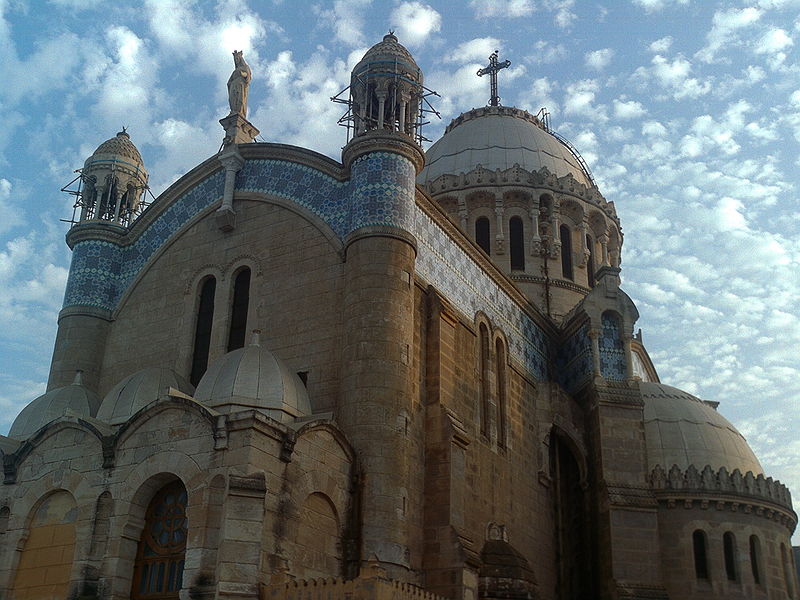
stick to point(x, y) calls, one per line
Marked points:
point(721, 490)
point(617, 393)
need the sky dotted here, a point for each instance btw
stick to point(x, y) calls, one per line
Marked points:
point(687, 112)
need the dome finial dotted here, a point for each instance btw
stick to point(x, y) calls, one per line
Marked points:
point(78, 377)
point(256, 339)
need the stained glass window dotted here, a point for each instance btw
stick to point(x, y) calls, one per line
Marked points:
point(162, 549)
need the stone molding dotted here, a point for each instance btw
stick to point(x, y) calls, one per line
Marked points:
point(722, 489)
point(562, 283)
point(631, 496)
point(85, 311)
point(636, 591)
point(383, 141)
point(381, 231)
point(517, 176)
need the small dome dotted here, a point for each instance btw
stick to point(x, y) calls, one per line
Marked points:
point(136, 391)
point(388, 49)
point(119, 145)
point(70, 400)
point(499, 137)
point(252, 377)
point(682, 430)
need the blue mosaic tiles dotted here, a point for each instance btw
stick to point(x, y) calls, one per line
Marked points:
point(612, 350)
point(100, 272)
point(574, 360)
point(450, 270)
point(381, 192)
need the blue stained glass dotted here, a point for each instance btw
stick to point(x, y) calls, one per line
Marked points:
point(143, 580)
point(160, 577)
point(163, 539)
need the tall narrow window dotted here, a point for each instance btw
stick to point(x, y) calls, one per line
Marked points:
point(484, 375)
point(755, 559)
point(700, 554)
point(566, 252)
point(202, 331)
point(516, 232)
point(729, 549)
point(482, 234)
point(500, 355)
point(158, 571)
point(590, 261)
point(241, 299)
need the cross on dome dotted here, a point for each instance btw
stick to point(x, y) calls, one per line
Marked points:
point(492, 69)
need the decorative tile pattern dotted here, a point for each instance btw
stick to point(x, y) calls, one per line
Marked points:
point(451, 271)
point(100, 272)
point(612, 351)
point(574, 360)
point(380, 192)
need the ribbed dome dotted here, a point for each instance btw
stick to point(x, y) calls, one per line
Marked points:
point(136, 391)
point(70, 400)
point(252, 377)
point(498, 137)
point(119, 145)
point(682, 430)
point(388, 49)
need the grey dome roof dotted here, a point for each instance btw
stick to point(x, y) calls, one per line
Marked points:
point(137, 391)
point(253, 377)
point(682, 430)
point(498, 137)
point(388, 49)
point(118, 146)
point(70, 400)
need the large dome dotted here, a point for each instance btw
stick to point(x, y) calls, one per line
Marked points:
point(253, 377)
point(499, 137)
point(682, 430)
point(388, 49)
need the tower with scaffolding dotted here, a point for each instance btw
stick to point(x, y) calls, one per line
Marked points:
point(386, 91)
point(112, 184)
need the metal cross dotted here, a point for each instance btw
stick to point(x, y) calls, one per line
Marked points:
point(492, 69)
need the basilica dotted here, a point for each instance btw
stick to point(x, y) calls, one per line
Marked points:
point(403, 375)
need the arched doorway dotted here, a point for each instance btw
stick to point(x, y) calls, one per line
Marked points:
point(573, 539)
point(158, 571)
point(49, 549)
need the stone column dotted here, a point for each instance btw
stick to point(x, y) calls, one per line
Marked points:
point(232, 161)
point(499, 211)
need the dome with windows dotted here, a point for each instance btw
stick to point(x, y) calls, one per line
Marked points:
point(680, 429)
point(253, 377)
point(120, 147)
point(499, 137)
point(388, 49)
point(71, 400)
point(138, 390)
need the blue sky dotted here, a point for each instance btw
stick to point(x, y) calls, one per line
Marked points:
point(687, 111)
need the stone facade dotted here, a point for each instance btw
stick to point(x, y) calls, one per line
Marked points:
point(415, 417)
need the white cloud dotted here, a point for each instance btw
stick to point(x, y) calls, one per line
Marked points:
point(10, 216)
point(599, 59)
point(674, 76)
point(502, 8)
point(415, 22)
point(629, 109)
point(539, 95)
point(774, 40)
point(656, 5)
point(477, 49)
point(346, 18)
point(580, 97)
point(661, 45)
point(547, 52)
point(725, 25)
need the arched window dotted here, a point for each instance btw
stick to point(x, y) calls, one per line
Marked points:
point(590, 260)
point(45, 565)
point(158, 572)
point(241, 300)
point(202, 330)
point(729, 550)
point(566, 252)
point(484, 376)
point(755, 559)
point(482, 234)
point(700, 554)
point(517, 233)
point(500, 356)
